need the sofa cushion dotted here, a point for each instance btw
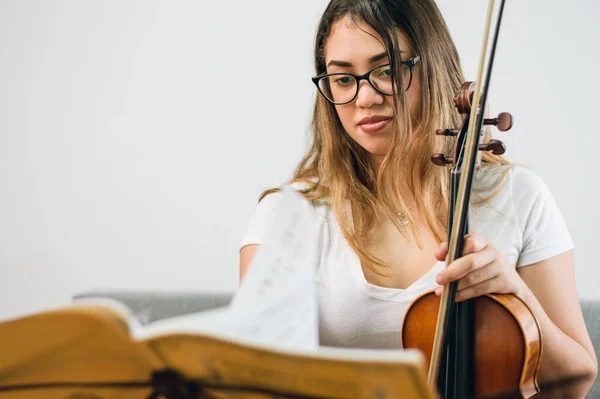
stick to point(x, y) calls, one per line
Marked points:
point(148, 307)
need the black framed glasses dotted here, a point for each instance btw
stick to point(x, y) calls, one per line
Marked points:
point(342, 88)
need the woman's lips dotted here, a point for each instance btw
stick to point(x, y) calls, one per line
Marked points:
point(375, 126)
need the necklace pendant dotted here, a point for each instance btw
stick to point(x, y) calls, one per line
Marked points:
point(402, 217)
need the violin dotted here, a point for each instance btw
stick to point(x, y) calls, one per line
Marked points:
point(491, 344)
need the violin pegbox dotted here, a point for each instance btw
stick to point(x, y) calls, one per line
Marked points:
point(463, 100)
point(503, 122)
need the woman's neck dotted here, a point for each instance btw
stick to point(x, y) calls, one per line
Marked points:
point(376, 161)
point(405, 192)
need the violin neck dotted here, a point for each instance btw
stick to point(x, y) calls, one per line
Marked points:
point(456, 376)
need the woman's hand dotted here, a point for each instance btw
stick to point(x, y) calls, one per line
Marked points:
point(481, 270)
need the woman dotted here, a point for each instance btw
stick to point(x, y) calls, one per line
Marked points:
point(387, 73)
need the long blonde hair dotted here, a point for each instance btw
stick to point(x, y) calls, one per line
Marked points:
point(337, 169)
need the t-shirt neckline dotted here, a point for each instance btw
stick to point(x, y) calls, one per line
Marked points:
point(424, 283)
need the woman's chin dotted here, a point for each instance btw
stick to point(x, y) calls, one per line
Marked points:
point(376, 148)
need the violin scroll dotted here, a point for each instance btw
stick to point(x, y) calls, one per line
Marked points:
point(464, 98)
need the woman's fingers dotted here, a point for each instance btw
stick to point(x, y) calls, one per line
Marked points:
point(493, 285)
point(440, 252)
point(489, 286)
point(474, 243)
point(468, 263)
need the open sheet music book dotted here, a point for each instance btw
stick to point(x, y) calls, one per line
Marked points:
point(264, 344)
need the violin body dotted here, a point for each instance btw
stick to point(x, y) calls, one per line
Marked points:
point(508, 342)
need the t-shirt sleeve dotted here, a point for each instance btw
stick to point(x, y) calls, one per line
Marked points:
point(545, 232)
point(261, 220)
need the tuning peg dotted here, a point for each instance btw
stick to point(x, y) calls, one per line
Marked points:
point(495, 146)
point(503, 122)
point(446, 132)
point(441, 160)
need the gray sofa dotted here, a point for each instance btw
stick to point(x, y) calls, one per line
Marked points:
point(149, 307)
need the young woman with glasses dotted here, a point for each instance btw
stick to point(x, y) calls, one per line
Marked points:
point(387, 72)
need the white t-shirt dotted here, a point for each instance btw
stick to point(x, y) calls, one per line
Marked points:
point(522, 221)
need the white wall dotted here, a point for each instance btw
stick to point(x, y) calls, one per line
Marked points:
point(135, 136)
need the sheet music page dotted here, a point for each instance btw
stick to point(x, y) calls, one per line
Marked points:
point(276, 303)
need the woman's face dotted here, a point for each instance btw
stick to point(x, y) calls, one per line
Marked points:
point(354, 47)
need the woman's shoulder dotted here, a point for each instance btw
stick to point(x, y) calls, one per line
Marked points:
point(516, 189)
point(271, 199)
point(285, 204)
point(523, 178)
point(303, 187)
point(512, 179)
point(522, 200)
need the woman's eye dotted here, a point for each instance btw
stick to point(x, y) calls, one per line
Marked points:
point(385, 72)
point(343, 80)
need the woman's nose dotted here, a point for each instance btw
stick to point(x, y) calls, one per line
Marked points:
point(368, 96)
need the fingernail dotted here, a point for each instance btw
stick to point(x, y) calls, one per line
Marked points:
point(439, 279)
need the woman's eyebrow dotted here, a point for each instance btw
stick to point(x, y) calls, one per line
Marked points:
point(346, 64)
